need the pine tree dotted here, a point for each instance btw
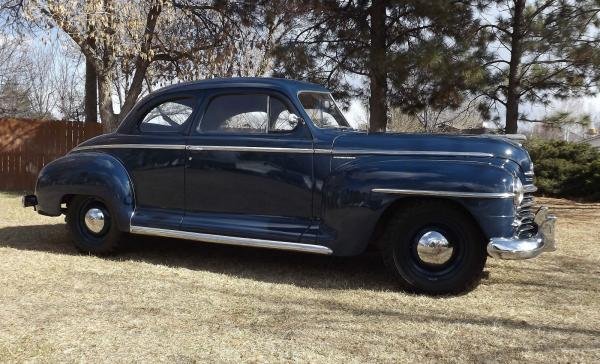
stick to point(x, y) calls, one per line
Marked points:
point(410, 53)
point(545, 49)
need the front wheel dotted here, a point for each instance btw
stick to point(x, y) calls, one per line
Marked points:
point(434, 247)
point(92, 226)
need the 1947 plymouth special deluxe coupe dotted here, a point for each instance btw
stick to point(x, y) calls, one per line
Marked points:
point(272, 163)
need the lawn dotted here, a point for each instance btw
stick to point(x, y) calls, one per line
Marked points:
point(170, 300)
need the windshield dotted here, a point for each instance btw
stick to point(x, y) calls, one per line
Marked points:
point(322, 110)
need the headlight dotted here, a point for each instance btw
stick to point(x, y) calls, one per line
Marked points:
point(518, 191)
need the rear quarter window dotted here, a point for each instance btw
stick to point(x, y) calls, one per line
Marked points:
point(168, 117)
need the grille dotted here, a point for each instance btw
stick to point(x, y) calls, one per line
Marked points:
point(526, 228)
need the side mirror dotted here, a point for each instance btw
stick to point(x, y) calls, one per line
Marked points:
point(294, 120)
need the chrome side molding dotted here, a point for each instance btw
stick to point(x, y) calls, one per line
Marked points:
point(445, 193)
point(131, 146)
point(230, 148)
point(217, 148)
point(230, 240)
point(237, 148)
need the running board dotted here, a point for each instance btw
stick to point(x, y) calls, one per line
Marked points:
point(230, 240)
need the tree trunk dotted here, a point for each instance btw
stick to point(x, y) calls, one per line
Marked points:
point(91, 92)
point(135, 88)
point(110, 120)
point(513, 92)
point(377, 68)
point(91, 72)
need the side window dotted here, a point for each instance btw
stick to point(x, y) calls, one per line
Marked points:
point(279, 116)
point(169, 116)
point(236, 114)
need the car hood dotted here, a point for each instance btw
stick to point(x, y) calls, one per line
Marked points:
point(461, 145)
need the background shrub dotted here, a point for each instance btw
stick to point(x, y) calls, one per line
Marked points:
point(566, 169)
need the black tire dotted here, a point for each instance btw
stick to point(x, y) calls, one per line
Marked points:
point(463, 269)
point(103, 242)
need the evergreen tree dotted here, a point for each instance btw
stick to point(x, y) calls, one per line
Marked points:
point(411, 53)
point(545, 49)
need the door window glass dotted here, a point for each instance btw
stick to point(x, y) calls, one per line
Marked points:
point(279, 116)
point(169, 116)
point(236, 114)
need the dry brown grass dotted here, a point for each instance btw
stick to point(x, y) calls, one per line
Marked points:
point(170, 300)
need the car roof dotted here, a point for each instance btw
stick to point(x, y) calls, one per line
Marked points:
point(292, 86)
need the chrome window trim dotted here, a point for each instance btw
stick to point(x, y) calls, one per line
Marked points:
point(230, 240)
point(131, 146)
point(445, 193)
point(314, 92)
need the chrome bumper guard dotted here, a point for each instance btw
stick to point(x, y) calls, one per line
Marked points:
point(515, 248)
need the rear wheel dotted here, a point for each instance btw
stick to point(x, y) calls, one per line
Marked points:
point(91, 225)
point(433, 247)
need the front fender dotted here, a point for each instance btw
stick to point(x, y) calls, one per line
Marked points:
point(87, 173)
point(351, 208)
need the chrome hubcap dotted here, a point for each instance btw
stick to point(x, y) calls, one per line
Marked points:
point(94, 220)
point(433, 248)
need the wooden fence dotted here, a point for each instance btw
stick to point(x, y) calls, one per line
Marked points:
point(28, 145)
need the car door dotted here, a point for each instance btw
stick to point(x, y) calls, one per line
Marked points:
point(153, 152)
point(249, 169)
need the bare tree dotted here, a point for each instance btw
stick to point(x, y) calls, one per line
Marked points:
point(437, 120)
point(37, 77)
point(14, 96)
point(135, 45)
point(107, 30)
point(9, 52)
point(69, 95)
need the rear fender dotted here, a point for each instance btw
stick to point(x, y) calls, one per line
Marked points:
point(87, 173)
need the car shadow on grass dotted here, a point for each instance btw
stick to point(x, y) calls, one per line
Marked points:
point(303, 270)
point(306, 270)
point(365, 271)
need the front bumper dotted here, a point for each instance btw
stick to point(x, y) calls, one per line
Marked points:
point(516, 248)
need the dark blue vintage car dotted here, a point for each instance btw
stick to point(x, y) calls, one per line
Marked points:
point(272, 163)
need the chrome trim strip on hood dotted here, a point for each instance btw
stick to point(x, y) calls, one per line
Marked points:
point(412, 152)
point(445, 193)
